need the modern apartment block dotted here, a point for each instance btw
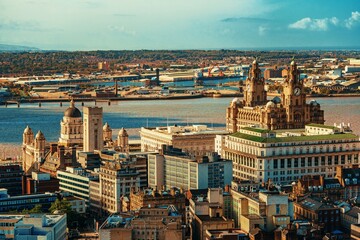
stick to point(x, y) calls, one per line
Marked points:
point(285, 155)
point(174, 168)
point(76, 181)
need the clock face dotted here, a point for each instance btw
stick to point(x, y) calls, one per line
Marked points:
point(297, 91)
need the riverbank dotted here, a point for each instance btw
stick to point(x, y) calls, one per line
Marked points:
point(8, 150)
point(172, 96)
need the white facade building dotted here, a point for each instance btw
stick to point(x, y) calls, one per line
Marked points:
point(285, 155)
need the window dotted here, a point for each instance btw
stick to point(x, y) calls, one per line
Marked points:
point(275, 163)
point(282, 163)
point(277, 209)
point(289, 163)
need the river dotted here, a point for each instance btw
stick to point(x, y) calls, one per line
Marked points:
point(134, 114)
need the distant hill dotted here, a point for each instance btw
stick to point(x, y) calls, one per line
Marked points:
point(16, 48)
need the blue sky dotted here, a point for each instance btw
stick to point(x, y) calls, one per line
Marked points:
point(185, 24)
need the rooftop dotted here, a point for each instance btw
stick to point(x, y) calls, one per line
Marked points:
point(278, 139)
point(321, 126)
point(258, 130)
point(185, 130)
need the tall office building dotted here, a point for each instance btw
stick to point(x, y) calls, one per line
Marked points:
point(93, 128)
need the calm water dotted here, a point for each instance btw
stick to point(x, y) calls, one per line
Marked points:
point(134, 114)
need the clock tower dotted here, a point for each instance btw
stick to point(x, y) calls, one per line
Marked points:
point(254, 94)
point(294, 98)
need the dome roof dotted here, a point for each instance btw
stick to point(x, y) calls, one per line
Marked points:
point(123, 132)
point(72, 111)
point(270, 104)
point(106, 127)
point(236, 100)
point(276, 100)
point(28, 130)
point(314, 102)
point(40, 135)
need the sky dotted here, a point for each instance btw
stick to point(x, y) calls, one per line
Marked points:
point(179, 24)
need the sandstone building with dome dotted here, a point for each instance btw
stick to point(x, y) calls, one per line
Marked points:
point(289, 111)
point(77, 133)
point(71, 132)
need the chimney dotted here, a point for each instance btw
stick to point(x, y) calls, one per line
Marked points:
point(73, 155)
point(53, 148)
point(61, 156)
point(157, 77)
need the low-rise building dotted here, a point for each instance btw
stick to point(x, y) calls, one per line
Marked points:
point(160, 223)
point(207, 212)
point(153, 198)
point(355, 231)
point(33, 226)
point(264, 210)
point(19, 203)
point(76, 181)
point(226, 234)
point(196, 139)
point(11, 178)
point(319, 212)
point(39, 182)
point(349, 179)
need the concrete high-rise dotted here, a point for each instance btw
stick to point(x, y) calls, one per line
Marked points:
point(93, 128)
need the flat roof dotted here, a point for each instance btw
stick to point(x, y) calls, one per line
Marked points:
point(295, 138)
point(258, 130)
point(320, 126)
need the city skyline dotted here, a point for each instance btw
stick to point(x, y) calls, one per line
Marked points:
point(113, 25)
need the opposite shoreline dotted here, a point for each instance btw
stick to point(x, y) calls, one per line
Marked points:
point(171, 97)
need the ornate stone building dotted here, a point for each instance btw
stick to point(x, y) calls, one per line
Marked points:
point(123, 140)
point(71, 127)
point(286, 112)
point(33, 150)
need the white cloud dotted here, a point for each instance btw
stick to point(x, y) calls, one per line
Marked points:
point(314, 24)
point(351, 21)
point(262, 30)
point(122, 29)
